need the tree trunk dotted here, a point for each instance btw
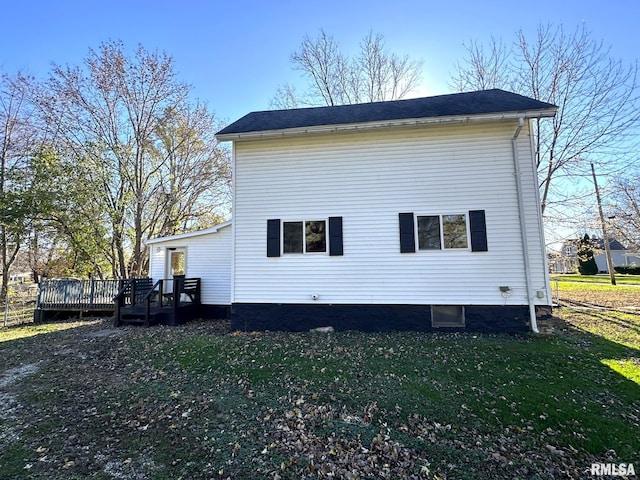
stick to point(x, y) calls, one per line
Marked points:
point(4, 287)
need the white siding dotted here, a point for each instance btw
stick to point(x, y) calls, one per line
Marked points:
point(208, 256)
point(368, 178)
point(618, 257)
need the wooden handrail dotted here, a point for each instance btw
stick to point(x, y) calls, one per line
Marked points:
point(144, 298)
point(153, 289)
point(121, 292)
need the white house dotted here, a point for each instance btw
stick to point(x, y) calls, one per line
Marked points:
point(205, 254)
point(567, 261)
point(412, 214)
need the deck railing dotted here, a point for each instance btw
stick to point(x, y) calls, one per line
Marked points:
point(139, 297)
point(77, 294)
point(132, 291)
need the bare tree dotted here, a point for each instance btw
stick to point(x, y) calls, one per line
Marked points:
point(485, 67)
point(285, 98)
point(114, 117)
point(597, 98)
point(193, 181)
point(624, 214)
point(333, 78)
point(383, 76)
point(18, 140)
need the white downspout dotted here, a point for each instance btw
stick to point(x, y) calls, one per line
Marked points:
point(523, 228)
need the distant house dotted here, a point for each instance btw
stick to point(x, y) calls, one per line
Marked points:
point(418, 214)
point(20, 277)
point(567, 261)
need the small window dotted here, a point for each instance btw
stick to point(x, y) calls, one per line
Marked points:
point(454, 231)
point(429, 233)
point(315, 234)
point(293, 236)
point(304, 237)
point(436, 232)
point(447, 316)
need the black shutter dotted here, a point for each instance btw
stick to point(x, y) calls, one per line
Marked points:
point(273, 238)
point(407, 235)
point(335, 236)
point(478, 227)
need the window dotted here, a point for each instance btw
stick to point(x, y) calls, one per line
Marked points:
point(443, 316)
point(293, 237)
point(454, 231)
point(304, 237)
point(315, 236)
point(429, 233)
point(436, 232)
point(309, 236)
point(175, 261)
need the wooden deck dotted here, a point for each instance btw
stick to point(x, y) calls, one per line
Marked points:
point(134, 301)
point(81, 297)
point(167, 301)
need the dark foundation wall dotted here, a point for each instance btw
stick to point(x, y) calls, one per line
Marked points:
point(215, 311)
point(373, 318)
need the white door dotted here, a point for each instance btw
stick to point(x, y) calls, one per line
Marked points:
point(176, 265)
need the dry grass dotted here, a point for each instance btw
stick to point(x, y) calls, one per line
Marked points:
point(578, 294)
point(198, 402)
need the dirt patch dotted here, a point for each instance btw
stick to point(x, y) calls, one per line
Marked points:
point(15, 374)
point(624, 299)
point(10, 411)
point(108, 332)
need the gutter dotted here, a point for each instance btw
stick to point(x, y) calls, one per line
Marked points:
point(523, 228)
point(345, 127)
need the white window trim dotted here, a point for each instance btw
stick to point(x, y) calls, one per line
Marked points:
point(304, 239)
point(167, 259)
point(441, 223)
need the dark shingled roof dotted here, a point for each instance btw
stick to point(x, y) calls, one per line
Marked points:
point(598, 243)
point(471, 103)
point(613, 244)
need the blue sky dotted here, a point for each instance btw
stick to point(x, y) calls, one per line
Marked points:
point(235, 53)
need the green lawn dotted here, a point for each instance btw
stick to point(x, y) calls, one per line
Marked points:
point(573, 291)
point(198, 402)
point(31, 329)
point(620, 279)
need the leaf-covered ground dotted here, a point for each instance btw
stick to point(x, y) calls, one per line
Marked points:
point(621, 297)
point(85, 400)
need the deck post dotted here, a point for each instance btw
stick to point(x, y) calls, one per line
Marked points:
point(118, 304)
point(92, 292)
point(147, 312)
point(177, 287)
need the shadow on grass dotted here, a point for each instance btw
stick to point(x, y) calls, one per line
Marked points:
point(631, 323)
point(468, 405)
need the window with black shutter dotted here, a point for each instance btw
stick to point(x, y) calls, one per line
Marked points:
point(452, 231)
point(478, 227)
point(335, 236)
point(273, 238)
point(407, 235)
point(304, 236)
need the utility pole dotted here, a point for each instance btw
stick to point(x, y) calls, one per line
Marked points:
point(605, 238)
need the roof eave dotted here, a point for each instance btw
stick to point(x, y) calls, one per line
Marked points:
point(539, 113)
point(197, 233)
